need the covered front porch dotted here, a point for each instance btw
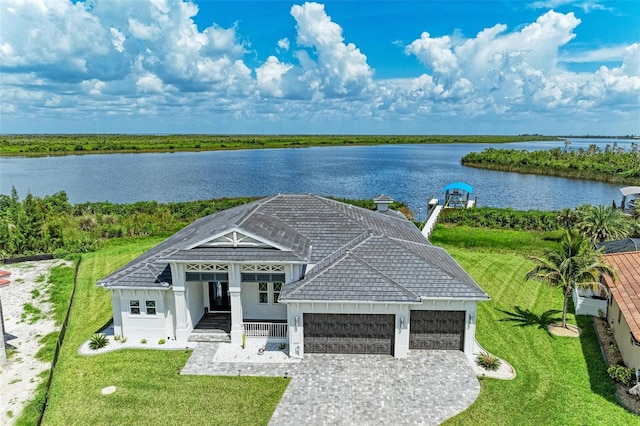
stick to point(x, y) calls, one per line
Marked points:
point(216, 302)
point(216, 327)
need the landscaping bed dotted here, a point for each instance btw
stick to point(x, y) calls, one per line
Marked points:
point(613, 357)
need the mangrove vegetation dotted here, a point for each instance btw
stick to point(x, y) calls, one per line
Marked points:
point(39, 145)
point(612, 164)
point(52, 225)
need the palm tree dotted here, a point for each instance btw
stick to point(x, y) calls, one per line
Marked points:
point(567, 217)
point(576, 263)
point(602, 223)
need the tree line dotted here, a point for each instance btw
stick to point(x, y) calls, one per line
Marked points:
point(51, 224)
point(35, 145)
point(612, 164)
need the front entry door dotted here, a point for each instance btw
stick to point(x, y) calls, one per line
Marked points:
point(219, 299)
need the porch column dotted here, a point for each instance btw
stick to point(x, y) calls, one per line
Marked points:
point(183, 328)
point(182, 317)
point(236, 316)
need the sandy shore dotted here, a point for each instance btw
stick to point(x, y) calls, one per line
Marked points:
point(19, 376)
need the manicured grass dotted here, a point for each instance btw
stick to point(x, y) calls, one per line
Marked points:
point(149, 389)
point(560, 381)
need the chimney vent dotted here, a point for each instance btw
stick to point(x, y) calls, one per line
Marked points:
point(382, 202)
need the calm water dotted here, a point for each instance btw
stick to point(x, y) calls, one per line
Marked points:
point(412, 173)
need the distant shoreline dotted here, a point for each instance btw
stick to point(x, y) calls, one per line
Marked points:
point(76, 144)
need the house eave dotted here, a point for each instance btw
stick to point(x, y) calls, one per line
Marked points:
point(253, 262)
point(462, 299)
point(106, 286)
point(363, 302)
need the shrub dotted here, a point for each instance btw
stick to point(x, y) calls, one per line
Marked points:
point(244, 341)
point(123, 339)
point(143, 341)
point(116, 337)
point(600, 313)
point(621, 374)
point(161, 342)
point(282, 346)
point(488, 361)
point(98, 341)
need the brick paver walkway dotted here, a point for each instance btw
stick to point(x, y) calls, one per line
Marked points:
point(425, 388)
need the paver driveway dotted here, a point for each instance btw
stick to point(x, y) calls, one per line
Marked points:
point(425, 388)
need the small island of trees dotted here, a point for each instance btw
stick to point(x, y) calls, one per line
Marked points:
point(614, 164)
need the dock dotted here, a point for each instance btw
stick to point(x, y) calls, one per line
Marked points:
point(457, 195)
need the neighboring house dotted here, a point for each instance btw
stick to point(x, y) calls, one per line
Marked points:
point(587, 301)
point(330, 276)
point(619, 246)
point(624, 305)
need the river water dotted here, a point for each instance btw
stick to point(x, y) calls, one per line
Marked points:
point(411, 173)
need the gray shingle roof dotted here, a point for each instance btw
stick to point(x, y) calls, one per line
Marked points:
point(421, 270)
point(359, 254)
point(620, 246)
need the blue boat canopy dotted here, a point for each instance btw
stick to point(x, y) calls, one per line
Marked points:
point(458, 185)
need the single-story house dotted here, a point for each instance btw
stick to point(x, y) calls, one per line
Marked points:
point(326, 276)
point(623, 313)
point(588, 301)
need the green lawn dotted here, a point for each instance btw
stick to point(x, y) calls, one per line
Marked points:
point(149, 389)
point(560, 381)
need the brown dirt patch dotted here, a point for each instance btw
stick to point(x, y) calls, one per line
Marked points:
point(569, 331)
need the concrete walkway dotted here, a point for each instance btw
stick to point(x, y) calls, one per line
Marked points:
point(425, 388)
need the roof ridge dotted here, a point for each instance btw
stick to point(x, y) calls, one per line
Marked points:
point(258, 203)
point(397, 284)
point(333, 258)
point(359, 259)
point(440, 250)
point(336, 254)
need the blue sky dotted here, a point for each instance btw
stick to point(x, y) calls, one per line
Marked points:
point(382, 67)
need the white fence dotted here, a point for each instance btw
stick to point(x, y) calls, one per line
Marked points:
point(265, 329)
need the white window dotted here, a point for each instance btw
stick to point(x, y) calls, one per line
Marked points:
point(263, 292)
point(134, 307)
point(268, 292)
point(277, 288)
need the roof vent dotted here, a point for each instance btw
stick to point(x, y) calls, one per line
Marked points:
point(382, 202)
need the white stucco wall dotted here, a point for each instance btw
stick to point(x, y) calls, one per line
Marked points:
point(622, 334)
point(144, 325)
point(252, 310)
point(195, 301)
